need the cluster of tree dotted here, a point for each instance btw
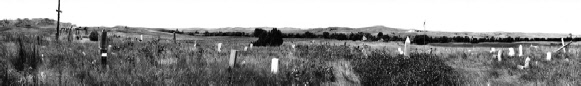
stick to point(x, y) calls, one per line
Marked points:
point(266, 38)
point(26, 22)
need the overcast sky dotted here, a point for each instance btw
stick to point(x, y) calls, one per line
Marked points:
point(551, 16)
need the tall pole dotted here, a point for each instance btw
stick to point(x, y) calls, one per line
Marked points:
point(58, 20)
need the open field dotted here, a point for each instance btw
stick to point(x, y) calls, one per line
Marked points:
point(312, 62)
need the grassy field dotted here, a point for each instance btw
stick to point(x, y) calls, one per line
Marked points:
point(26, 61)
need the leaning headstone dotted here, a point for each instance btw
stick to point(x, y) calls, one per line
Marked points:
point(232, 60)
point(104, 48)
point(520, 53)
point(548, 58)
point(406, 47)
point(510, 51)
point(499, 56)
point(219, 47)
point(274, 65)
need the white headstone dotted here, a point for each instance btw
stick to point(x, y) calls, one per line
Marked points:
point(492, 50)
point(399, 50)
point(406, 46)
point(499, 56)
point(232, 60)
point(274, 65)
point(245, 48)
point(251, 45)
point(141, 38)
point(548, 56)
point(527, 62)
point(293, 46)
point(219, 47)
point(520, 53)
point(510, 51)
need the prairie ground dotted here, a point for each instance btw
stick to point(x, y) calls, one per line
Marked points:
point(194, 60)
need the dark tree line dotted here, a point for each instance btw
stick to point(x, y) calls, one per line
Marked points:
point(417, 39)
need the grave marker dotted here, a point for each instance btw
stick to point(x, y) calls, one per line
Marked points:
point(293, 46)
point(104, 48)
point(520, 53)
point(548, 58)
point(492, 50)
point(510, 51)
point(251, 45)
point(399, 50)
point(499, 56)
point(274, 65)
point(141, 38)
point(526, 65)
point(245, 48)
point(232, 61)
point(563, 43)
point(219, 47)
point(406, 46)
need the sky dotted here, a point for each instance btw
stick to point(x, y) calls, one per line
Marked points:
point(546, 16)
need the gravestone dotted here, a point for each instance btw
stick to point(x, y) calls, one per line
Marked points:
point(520, 53)
point(251, 45)
point(406, 46)
point(548, 58)
point(563, 43)
point(141, 38)
point(293, 46)
point(232, 60)
point(492, 50)
point(399, 50)
point(499, 56)
point(245, 48)
point(274, 65)
point(219, 47)
point(526, 65)
point(511, 52)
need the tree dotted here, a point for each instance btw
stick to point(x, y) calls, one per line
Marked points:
point(258, 32)
point(325, 34)
point(265, 38)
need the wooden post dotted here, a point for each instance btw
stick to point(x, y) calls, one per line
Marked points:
point(58, 20)
point(174, 36)
point(232, 62)
point(104, 48)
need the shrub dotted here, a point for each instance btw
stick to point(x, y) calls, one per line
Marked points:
point(94, 36)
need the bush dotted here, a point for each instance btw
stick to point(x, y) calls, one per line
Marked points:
point(94, 36)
